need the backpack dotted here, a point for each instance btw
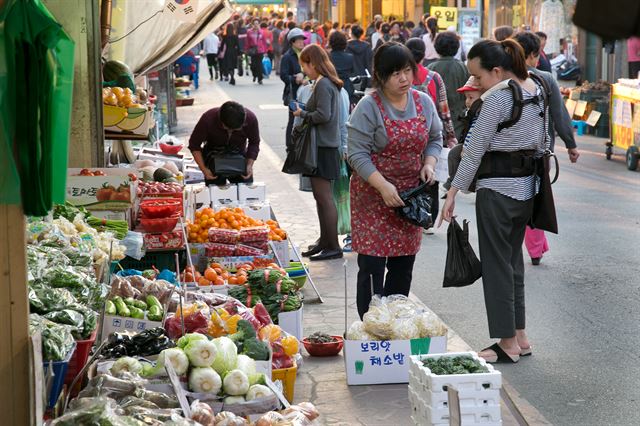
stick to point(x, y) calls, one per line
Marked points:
point(519, 103)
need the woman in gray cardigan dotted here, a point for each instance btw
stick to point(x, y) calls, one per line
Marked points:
point(323, 111)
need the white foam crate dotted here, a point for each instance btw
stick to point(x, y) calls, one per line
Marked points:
point(462, 382)
point(468, 416)
point(468, 398)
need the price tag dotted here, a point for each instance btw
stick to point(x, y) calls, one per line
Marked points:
point(180, 393)
point(571, 106)
point(581, 108)
point(593, 118)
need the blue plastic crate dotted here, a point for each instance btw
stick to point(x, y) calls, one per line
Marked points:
point(59, 373)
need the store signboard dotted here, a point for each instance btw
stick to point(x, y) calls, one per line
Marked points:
point(447, 16)
point(469, 28)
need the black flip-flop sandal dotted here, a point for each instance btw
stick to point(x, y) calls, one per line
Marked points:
point(501, 355)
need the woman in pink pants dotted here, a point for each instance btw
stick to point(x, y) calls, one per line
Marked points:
point(536, 243)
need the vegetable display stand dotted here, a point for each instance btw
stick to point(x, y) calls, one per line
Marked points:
point(479, 393)
point(59, 373)
point(288, 378)
point(78, 361)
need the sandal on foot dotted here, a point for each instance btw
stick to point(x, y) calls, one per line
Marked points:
point(526, 351)
point(501, 355)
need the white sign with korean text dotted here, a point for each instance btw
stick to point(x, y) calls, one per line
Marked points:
point(385, 361)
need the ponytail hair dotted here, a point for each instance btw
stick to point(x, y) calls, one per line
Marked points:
point(506, 54)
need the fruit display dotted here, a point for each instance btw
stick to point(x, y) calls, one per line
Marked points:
point(208, 224)
point(121, 97)
point(150, 309)
point(159, 188)
point(164, 241)
point(216, 274)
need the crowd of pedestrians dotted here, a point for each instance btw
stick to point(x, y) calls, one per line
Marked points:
point(418, 91)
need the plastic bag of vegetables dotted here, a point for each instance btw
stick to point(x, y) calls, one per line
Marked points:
point(57, 339)
point(378, 321)
point(356, 332)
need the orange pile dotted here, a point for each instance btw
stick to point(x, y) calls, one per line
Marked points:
point(215, 274)
point(228, 218)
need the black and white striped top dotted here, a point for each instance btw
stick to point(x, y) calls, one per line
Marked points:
point(527, 133)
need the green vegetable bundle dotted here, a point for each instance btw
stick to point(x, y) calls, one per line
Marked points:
point(118, 227)
point(262, 277)
point(57, 339)
point(454, 365)
point(247, 295)
point(277, 303)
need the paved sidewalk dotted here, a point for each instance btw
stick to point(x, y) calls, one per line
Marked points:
point(323, 380)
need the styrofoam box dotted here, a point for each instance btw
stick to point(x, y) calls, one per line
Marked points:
point(202, 194)
point(223, 194)
point(257, 210)
point(113, 323)
point(462, 382)
point(291, 322)
point(157, 155)
point(256, 191)
point(467, 415)
point(440, 400)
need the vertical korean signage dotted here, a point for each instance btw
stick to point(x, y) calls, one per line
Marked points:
point(447, 16)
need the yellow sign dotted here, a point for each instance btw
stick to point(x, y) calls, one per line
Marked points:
point(447, 16)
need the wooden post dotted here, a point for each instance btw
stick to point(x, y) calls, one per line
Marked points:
point(15, 386)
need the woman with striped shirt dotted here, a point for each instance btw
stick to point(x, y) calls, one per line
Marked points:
point(504, 202)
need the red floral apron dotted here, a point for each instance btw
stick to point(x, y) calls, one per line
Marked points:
point(377, 230)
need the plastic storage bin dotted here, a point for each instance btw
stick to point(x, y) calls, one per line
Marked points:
point(288, 378)
point(59, 373)
point(79, 360)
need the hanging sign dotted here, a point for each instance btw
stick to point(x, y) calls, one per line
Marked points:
point(469, 28)
point(182, 10)
point(447, 16)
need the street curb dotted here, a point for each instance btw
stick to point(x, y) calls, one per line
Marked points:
point(521, 409)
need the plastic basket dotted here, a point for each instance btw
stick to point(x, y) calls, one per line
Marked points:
point(78, 361)
point(161, 260)
point(59, 373)
point(288, 378)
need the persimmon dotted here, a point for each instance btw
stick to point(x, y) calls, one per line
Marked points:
point(210, 274)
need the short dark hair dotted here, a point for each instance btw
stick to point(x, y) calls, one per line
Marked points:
point(417, 47)
point(291, 25)
point(378, 24)
point(389, 58)
point(337, 41)
point(541, 34)
point(232, 115)
point(409, 24)
point(263, 25)
point(385, 28)
point(506, 54)
point(356, 31)
point(529, 41)
point(503, 32)
point(289, 14)
point(447, 43)
point(426, 16)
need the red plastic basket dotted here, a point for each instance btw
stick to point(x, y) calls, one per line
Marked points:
point(78, 361)
point(159, 207)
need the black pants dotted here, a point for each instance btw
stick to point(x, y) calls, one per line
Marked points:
point(371, 278)
point(256, 66)
point(212, 64)
point(501, 227)
point(232, 179)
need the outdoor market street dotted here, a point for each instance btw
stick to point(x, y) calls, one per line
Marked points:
point(582, 300)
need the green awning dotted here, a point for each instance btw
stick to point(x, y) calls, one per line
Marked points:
point(249, 2)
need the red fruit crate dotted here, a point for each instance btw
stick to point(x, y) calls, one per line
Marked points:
point(78, 361)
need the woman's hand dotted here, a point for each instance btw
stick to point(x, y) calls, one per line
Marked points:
point(298, 111)
point(449, 206)
point(428, 173)
point(390, 195)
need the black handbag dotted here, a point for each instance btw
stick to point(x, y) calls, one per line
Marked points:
point(462, 266)
point(417, 206)
point(229, 165)
point(287, 95)
point(544, 210)
point(302, 156)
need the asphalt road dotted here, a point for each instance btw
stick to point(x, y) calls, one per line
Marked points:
point(582, 300)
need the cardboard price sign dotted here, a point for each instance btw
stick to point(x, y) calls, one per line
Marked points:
point(180, 393)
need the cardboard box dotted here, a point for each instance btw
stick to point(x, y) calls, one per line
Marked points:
point(114, 191)
point(249, 192)
point(291, 322)
point(113, 323)
point(223, 194)
point(259, 211)
point(387, 361)
point(193, 174)
point(137, 121)
point(164, 241)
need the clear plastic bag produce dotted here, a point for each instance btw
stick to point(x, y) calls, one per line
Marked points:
point(223, 236)
point(378, 321)
point(219, 250)
point(254, 234)
point(405, 329)
point(430, 325)
point(356, 332)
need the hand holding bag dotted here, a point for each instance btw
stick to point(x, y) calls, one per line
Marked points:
point(417, 206)
point(462, 266)
point(302, 157)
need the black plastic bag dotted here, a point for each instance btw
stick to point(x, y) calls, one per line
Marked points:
point(417, 206)
point(302, 157)
point(462, 266)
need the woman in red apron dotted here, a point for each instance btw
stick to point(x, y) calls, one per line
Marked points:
point(395, 137)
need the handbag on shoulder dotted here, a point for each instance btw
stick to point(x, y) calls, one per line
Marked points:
point(417, 206)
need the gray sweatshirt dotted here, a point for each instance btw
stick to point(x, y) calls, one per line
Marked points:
point(323, 109)
point(367, 133)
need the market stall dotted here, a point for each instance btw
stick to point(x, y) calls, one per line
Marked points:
point(625, 120)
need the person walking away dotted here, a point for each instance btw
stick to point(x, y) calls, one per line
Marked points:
point(210, 48)
point(342, 61)
point(283, 36)
point(228, 130)
point(278, 29)
point(385, 35)
point(502, 33)
point(323, 112)
point(377, 35)
point(460, 55)
point(229, 50)
point(421, 29)
point(454, 74)
point(186, 65)
point(256, 47)
point(268, 36)
point(241, 31)
point(395, 138)
point(372, 29)
point(291, 74)
point(431, 83)
point(362, 53)
point(544, 64)
point(559, 122)
point(504, 202)
point(430, 54)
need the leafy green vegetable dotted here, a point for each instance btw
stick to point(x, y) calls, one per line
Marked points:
point(454, 365)
point(57, 339)
point(69, 317)
point(256, 349)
